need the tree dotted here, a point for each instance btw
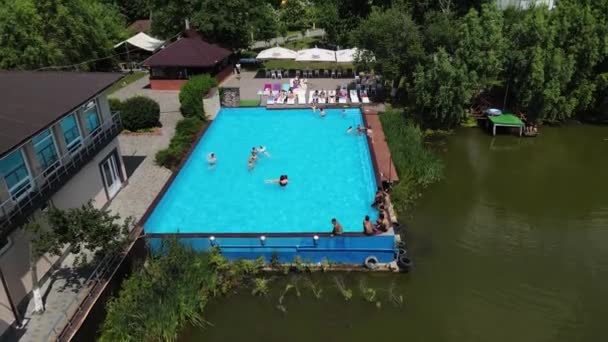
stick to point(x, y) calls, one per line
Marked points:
point(42, 33)
point(296, 15)
point(394, 39)
point(169, 16)
point(441, 91)
point(132, 9)
point(438, 31)
point(265, 23)
point(84, 228)
point(325, 15)
point(482, 47)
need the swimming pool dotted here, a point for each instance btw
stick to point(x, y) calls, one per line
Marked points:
point(330, 175)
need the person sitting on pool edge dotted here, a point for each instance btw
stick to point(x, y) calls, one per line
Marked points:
point(378, 198)
point(337, 227)
point(283, 180)
point(381, 224)
point(368, 227)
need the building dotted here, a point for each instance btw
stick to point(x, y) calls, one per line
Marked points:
point(525, 4)
point(58, 146)
point(190, 55)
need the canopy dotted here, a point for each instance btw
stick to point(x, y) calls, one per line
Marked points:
point(506, 120)
point(316, 55)
point(347, 55)
point(277, 52)
point(143, 41)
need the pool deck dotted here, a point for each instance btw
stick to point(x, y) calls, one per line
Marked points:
point(381, 154)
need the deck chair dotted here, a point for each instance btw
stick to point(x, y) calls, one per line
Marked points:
point(267, 89)
point(364, 97)
point(353, 96)
point(302, 96)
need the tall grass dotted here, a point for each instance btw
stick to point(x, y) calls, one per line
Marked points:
point(416, 164)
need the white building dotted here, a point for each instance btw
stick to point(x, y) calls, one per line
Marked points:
point(525, 4)
point(58, 146)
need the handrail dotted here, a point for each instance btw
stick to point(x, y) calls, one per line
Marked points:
point(48, 181)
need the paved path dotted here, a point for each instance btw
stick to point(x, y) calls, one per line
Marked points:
point(382, 152)
point(281, 40)
point(68, 286)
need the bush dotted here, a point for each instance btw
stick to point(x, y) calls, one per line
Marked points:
point(185, 133)
point(115, 105)
point(191, 95)
point(139, 112)
point(417, 166)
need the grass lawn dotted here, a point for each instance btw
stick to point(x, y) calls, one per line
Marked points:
point(304, 43)
point(291, 64)
point(130, 78)
point(249, 103)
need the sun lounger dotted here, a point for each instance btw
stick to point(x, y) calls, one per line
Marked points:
point(276, 88)
point(302, 97)
point(364, 97)
point(270, 100)
point(310, 99)
point(285, 86)
point(331, 96)
point(353, 96)
point(267, 89)
point(322, 100)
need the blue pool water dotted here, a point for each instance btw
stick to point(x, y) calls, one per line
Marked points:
point(330, 175)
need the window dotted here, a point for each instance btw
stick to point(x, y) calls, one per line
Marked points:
point(91, 117)
point(46, 151)
point(16, 174)
point(71, 133)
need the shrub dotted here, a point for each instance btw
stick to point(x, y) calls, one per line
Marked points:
point(417, 165)
point(139, 112)
point(115, 105)
point(191, 95)
point(185, 133)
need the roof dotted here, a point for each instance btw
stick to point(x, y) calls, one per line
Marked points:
point(506, 120)
point(142, 41)
point(189, 51)
point(31, 101)
point(143, 25)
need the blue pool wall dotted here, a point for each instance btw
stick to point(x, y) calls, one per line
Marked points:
point(351, 250)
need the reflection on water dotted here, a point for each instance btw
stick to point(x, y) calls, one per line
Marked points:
point(511, 246)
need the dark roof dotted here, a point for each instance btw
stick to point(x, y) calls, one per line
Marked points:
point(31, 101)
point(142, 25)
point(189, 51)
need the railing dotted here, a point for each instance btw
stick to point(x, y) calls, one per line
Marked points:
point(14, 211)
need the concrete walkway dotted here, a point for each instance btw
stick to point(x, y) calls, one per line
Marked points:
point(68, 285)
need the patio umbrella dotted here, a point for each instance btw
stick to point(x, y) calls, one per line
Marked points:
point(316, 55)
point(277, 52)
point(346, 55)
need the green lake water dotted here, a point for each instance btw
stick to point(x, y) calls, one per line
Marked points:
point(511, 246)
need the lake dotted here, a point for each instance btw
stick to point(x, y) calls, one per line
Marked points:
point(512, 245)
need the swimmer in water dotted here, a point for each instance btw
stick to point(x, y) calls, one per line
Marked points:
point(262, 149)
point(343, 112)
point(282, 181)
point(314, 107)
point(211, 159)
point(322, 112)
point(254, 150)
point(360, 130)
point(349, 130)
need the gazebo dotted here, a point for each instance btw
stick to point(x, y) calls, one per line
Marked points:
point(138, 47)
point(190, 55)
point(506, 120)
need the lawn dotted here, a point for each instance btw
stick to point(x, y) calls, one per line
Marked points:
point(130, 78)
point(249, 103)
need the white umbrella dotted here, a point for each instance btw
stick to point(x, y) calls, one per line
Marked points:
point(347, 55)
point(277, 53)
point(316, 55)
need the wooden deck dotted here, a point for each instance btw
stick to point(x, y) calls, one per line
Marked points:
point(381, 153)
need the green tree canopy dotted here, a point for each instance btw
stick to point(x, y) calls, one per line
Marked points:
point(43, 33)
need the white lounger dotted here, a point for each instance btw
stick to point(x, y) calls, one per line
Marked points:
point(270, 100)
point(353, 96)
point(291, 101)
point(331, 96)
point(302, 97)
point(322, 100)
point(364, 98)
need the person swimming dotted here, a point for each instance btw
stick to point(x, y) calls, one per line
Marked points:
point(211, 159)
point(282, 181)
point(322, 112)
point(360, 130)
point(349, 130)
point(343, 112)
point(262, 149)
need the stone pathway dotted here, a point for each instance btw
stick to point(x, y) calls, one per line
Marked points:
point(67, 287)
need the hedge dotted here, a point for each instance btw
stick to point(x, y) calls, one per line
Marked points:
point(139, 112)
point(191, 95)
point(185, 133)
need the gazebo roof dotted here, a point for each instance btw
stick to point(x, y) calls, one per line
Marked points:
point(189, 51)
point(142, 41)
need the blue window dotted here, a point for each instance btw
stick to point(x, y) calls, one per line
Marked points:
point(15, 174)
point(46, 151)
point(71, 133)
point(91, 117)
